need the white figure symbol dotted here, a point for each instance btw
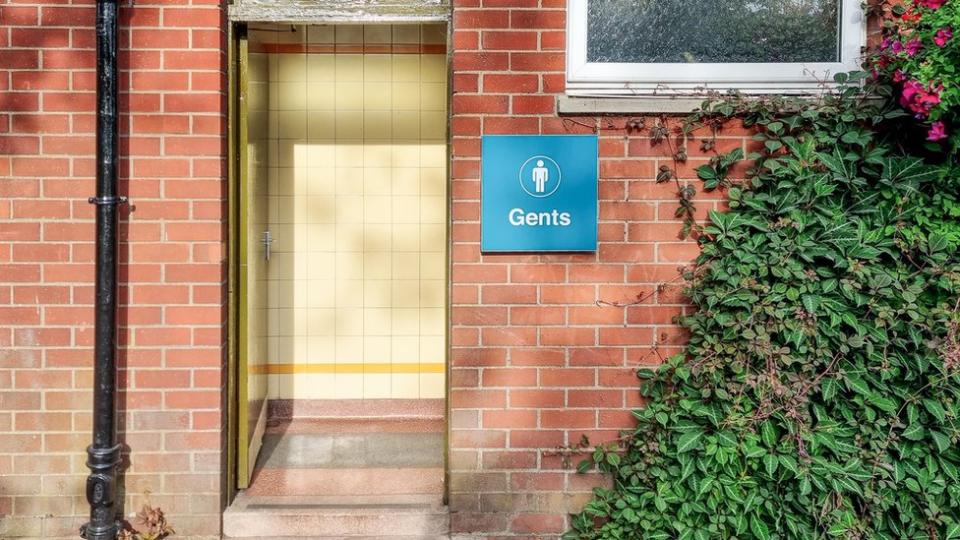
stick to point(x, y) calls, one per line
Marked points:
point(541, 175)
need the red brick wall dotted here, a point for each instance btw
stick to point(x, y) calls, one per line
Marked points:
point(172, 253)
point(536, 362)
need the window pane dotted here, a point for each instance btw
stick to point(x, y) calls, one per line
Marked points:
point(713, 31)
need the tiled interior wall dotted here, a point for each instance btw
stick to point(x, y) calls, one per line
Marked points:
point(357, 208)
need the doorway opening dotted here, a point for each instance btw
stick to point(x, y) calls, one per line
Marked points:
point(342, 279)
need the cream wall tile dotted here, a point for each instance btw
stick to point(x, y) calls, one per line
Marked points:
point(406, 209)
point(406, 265)
point(321, 68)
point(377, 125)
point(377, 67)
point(376, 349)
point(406, 181)
point(349, 124)
point(377, 33)
point(377, 238)
point(432, 349)
point(432, 386)
point(376, 293)
point(406, 238)
point(406, 323)
point(349, 321)
point(349, 181)
point(406, 96)
point(349, 33)
point(376, 322)
point(321, 96)
point(406, 127)
point(433, 68)
point(433, 33)
point(433, 293)
point(406, 293)
point(378, 180)
point(349, 68)
point(350, 208)
point(321, 321)
point(292, 67)
point(433, 125)
point(321, 265)
point(433, 96)
point(377, 96)
point(319, 155)
point(433, 210)
point(406, 67)
point(432, 240)
point(377, 209)
point(349, 96)
point(349, 294)
point(291, 125)
point(321, 181)
point(376, 386)
point(433, 181)
point(432, 322)
point(349, 386)
point(321, 294)
point(349, 239)
point(321, 349)
point(321, 34)
point(291, 96)
point(405, 155)
point(321, 124)
point(322, 237)
point(405, 386)
point(320, 209)
point(377, 265)
point(433, 155)
point(406, 33)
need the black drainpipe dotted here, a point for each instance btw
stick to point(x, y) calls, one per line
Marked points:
point(103, 456)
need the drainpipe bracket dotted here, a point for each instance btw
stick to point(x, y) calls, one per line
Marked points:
point(107, 200)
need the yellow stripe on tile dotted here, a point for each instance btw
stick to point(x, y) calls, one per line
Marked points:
point(290, 369)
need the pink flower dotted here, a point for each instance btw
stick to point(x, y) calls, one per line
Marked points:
point(919, 100)
point(942, 36)
point(898, 76)
point(937, 132)
point(933, 4)
point(914, 46)
point(896, 47)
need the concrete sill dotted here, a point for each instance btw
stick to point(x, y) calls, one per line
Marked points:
point(590, 106)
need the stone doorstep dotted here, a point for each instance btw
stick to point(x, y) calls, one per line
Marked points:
point(318, 482)
point(409, 517)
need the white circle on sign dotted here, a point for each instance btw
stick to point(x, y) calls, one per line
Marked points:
point(538, 179)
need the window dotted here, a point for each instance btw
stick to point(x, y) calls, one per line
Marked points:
point(668, 46)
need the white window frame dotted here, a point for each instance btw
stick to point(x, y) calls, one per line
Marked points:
point(622, 79)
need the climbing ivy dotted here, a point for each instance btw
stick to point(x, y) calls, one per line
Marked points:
point(819, 394)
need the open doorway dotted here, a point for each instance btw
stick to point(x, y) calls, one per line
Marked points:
point(342, 276)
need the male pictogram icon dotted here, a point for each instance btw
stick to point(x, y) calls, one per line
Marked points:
point(541, 175)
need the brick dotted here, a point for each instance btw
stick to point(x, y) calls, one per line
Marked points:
point(509, 41)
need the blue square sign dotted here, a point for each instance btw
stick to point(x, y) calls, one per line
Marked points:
point(539, 193)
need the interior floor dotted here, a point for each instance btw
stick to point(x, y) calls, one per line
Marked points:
point(376, 457)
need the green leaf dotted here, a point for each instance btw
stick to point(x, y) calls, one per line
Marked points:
point(942, 441)
point(688, 441)
point(914, 432)
point(759, 528)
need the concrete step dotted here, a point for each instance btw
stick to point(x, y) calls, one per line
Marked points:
point(407, 517)
point(351, 482)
